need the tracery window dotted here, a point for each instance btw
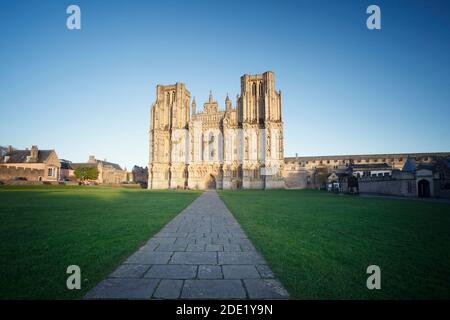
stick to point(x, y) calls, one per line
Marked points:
point(211, 146)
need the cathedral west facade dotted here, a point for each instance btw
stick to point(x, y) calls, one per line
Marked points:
point(239, 147)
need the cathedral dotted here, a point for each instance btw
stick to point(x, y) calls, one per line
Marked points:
point(238, 147)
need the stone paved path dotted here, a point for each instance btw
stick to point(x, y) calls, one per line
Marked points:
point(201, 254)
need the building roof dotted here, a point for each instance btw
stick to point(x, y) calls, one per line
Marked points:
point(110, 164)
point(66, 164)
point(368, 166)
point(139, 169)
point(367, 156)
point(3, 151)
point(82, 164)
point(94, 164)
point(410, 165)
point(20, 156)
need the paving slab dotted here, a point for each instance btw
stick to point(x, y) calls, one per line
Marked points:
point(209, 272)
point(265, 271)
point(149, 257)
point(231, 247)
point(202, 253)
point(240, 272)
point(163, 240)
point(250, 257)
point(184, 241)
point(171, 235)
point(130, 271)
point(196, 247)
point(265, 289)
point(168, 289)
point(149, 246)
point(213, 289)
point(123, 288)
point(194, 258)
point(169, 247)
point(214, 247)
point(174, 271)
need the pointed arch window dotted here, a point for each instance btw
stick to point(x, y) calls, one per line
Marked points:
point(211, 146)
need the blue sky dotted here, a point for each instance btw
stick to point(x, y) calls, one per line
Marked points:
point(345, 89)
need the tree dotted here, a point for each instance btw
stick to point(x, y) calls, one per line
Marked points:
point(86, 173)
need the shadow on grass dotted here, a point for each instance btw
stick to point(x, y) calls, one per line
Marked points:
point(45, 229)
point(320, 244)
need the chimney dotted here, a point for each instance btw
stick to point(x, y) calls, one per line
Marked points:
point(34, 154)
point(10, 149)
point(92, 159)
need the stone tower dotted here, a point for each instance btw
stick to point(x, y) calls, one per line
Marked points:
point(259, 114)
point(169, 119)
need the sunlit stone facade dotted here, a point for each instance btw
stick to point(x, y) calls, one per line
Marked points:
point(239, 147)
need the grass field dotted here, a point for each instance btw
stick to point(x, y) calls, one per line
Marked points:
point(320, 244)
point(44, 229)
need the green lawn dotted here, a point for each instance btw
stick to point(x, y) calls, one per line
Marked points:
point(46, 228)
point(320, 244)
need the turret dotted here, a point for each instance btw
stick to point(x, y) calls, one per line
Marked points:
point(211, 100)
point(211, 106)
point(228, 105)
point(194, 107)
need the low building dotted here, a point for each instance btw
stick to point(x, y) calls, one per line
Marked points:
point(140, 175)
point(303, 172)
point(432, 180)
point(66, 170)
point(371, 170)
point(411, 175)
point(29, 165)
point(3, 151)
point(108, 172)
point(414, 180)
point(442, 178)
point(399, 183)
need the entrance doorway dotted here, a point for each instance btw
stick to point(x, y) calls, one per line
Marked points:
point(424, 188)
point(210, 183)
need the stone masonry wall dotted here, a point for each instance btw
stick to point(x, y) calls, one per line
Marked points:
point(9, 173)
point(295, 179)
point(385, 185)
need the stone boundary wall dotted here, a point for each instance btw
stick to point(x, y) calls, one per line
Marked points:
point(295, 179)
point(440, 191)
point(9, 173)
point(120, 185)
point(27, 183)
point(388, 186)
